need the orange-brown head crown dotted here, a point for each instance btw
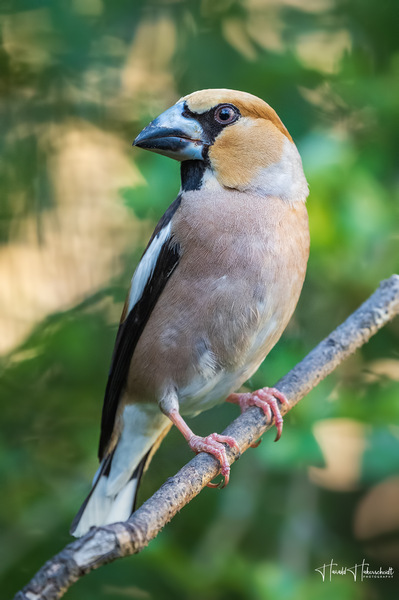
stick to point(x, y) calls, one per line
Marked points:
point(248, 105)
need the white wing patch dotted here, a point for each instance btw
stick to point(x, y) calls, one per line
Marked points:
point(146, 266)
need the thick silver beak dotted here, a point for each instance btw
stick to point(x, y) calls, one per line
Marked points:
point(173, 135)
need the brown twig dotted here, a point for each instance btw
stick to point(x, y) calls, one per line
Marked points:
point(105, 544)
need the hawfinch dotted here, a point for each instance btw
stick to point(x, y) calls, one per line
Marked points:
point(212, 293)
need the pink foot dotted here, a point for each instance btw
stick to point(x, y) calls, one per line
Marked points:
point(266, 399)
point(213, 444)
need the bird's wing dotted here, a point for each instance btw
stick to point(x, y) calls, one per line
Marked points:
point(157, 264)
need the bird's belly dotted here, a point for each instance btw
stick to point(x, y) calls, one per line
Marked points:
point(206, 390)
point(203, 393)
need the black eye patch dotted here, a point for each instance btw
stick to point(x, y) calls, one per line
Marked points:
point(214, 120)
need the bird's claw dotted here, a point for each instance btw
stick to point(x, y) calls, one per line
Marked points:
point(213, 444)
point(266, 399)
point(256, 444)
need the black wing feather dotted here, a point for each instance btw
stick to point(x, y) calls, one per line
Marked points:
point(130, 330)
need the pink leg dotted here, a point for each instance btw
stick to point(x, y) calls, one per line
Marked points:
point(213, 444)
point(266, 398)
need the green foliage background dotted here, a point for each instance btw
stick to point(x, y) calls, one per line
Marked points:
point(79, 79)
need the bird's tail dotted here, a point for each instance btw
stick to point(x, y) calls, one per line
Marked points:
point(113, 494)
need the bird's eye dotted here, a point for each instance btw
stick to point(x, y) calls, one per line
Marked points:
point(225, 115)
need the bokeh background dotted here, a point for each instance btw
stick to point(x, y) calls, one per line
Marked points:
point(79, 79)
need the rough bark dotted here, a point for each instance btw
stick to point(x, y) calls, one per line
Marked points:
point(105, 544)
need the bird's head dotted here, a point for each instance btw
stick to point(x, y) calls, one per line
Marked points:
point(232, 137)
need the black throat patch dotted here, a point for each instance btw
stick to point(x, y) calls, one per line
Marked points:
point(192, 174)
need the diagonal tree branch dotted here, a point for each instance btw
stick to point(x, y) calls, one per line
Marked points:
point(105, 544)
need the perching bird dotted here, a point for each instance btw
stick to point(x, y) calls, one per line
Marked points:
point(212, 293)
